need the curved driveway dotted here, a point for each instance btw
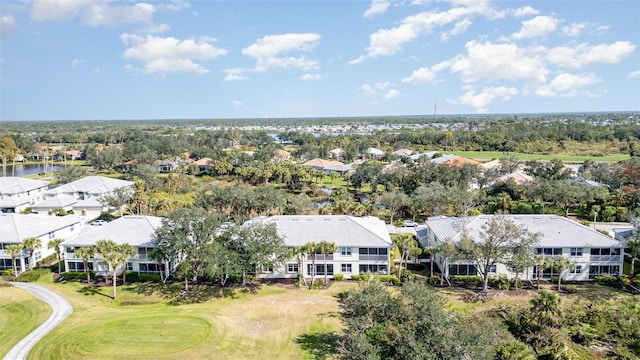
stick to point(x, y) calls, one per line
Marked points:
point(61, 309)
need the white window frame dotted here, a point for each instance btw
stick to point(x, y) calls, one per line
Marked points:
point(345, 251)
point(292, 268)
point(346, 268)
point(576, 252)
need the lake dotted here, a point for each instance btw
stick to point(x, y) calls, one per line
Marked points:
point(28, 169)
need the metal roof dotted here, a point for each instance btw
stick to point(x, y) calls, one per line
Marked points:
point(16, 227)
point(14, 185)
point(96, 185)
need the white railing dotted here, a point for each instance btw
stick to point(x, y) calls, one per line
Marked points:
point(605, 258)
point(372, 257)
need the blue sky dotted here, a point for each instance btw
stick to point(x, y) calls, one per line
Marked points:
point(101, 59)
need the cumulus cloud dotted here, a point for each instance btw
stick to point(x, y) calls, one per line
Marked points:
point(392, 94)
point(385, 42)
point(236, 74)
point(76, 62)
point(7, 26)
point(271, 51)
point(167, 54)
point(525, 11)
point(574, 29)
point(567, 84)
point(481, 100)
point(311, 76)
point(90, 12)
point(377, 7)
point(538, 26)
point(425, 75)
point(459, 28)
point(584, 54)
point(236, 104)
point(634, 74)
point(367, 89)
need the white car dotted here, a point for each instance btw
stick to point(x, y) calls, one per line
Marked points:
point(99, 222)
point(409, 223)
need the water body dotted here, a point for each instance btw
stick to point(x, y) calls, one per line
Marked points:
point(28, 169)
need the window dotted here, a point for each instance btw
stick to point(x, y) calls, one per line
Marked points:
point(462, 269)
point(345, 251)
point(549, 251)
point(52, 235)
point(493, 269)
point(576, 269)
point(71, 249)
point(320, 269)
point(595, 270)
point(79, 266)
point(151, 268)
point(376, 269)
point(38, 256)
point(345, 268)
point(71, 228)
point(292, 268)
point(576, 251)
point(129, 266)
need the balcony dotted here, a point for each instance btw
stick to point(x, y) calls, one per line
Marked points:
point(320, 257)
point(373, 257)
point(615, 258)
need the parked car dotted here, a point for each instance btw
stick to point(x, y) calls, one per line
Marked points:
point(99, 222)
point(409, 223)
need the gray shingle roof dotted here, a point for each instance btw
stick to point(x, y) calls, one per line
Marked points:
point(297, 230)
point(96, 185)
point(133, 229)
point(15, 185)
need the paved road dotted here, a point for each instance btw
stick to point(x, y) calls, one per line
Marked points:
point(61, 309)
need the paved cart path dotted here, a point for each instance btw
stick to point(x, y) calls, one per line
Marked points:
point(61, 309)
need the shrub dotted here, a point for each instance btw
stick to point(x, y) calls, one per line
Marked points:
point(624, 281)
point(501, 282)
point(570, 289)
point(26, 211)
point(606, 280)
point(32, 275)
point(6, 272)
point(469, 279)
point(318, 284)
point(149, 277)
point(131, 276)
point(391, 279)
point(338, 277)
point(355, 277)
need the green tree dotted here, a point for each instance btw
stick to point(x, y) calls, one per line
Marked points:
point(118, 198)
point(260, 248)
point(14, 250)
point(85, 253)
point(540, 262)
point(521, 259)
point(561, 264)
point(546, 308)
point(633, 244)
point(311, 249)
point(69, 174)
point(393, 201)
point(105, 247)
point(115, 259)
point(126, 251)
point(326, 248)
point(32, 244)
point(495, 244)
point(55, 245)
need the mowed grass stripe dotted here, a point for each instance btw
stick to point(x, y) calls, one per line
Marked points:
point(20, 314)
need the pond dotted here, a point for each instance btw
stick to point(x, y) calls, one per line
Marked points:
point(28, 169)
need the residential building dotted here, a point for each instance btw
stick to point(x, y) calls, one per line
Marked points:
point(402, 153)
point(14, 228)
point(137, 231)
point(89, 187)
point(280, 155)
point(16, 193)
point(591, 253)
point(363, 244)
point(321, 164)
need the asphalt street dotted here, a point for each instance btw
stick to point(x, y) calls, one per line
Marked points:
point(61, 309)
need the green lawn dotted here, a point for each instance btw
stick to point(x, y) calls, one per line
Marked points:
point(145, 322)
point(20, 314)
point(488, 155)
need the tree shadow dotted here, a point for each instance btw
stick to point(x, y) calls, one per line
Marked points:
point(323, 345)
point(92, 290)
point(176, 295)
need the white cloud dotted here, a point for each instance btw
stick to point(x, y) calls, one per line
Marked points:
point(425, 75)
point(269, 51)
point(7, 25)
point(574, 29)
point(567, 84)
point(603, 28)
point(459, 28)
point(538, 26)
point(377, 7)
point(92, 13)
point(165, 55)
point(76, 62)
point(392, 94)
point(311, 76)
point(234, 74)
point(366, 88)
point(385, 42)
point(503, 61)
point(481, 100)
point(383, 85)
point(525, 11)
point(634, 74)
point(97, 70)
point(236, 104)
point(583, 54)
point(176, 5)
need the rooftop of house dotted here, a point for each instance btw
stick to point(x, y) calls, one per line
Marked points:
point(556, 231)
point(321, 163)
point(14, 185)
point(90, 185)
point(343, 230)
point(134, 230)
point(517, 176)
point(56, 202)
point(16, 227)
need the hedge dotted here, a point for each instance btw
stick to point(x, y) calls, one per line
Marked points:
point(472, 279)
point(76, 275)
point(32, 275)
point(142, 277)
point(6, 272)
point(338, 277)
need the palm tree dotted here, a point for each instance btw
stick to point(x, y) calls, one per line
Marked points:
point(561, 264)
point(539, 262)
point(127, 251)
point(633, 248)
point(32, 244)
point(14, 250)
point(55, 244)
point(432, 251)
point(311, 248)
point(546, 308)
point(105, 247)
point(326, 248)
point(85, 253)
point(115, 259)
point(298, 253)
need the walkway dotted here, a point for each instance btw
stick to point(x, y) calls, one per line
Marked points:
point(61, 309)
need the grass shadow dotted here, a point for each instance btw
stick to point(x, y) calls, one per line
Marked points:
point(176, 295)
point(323, 345)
